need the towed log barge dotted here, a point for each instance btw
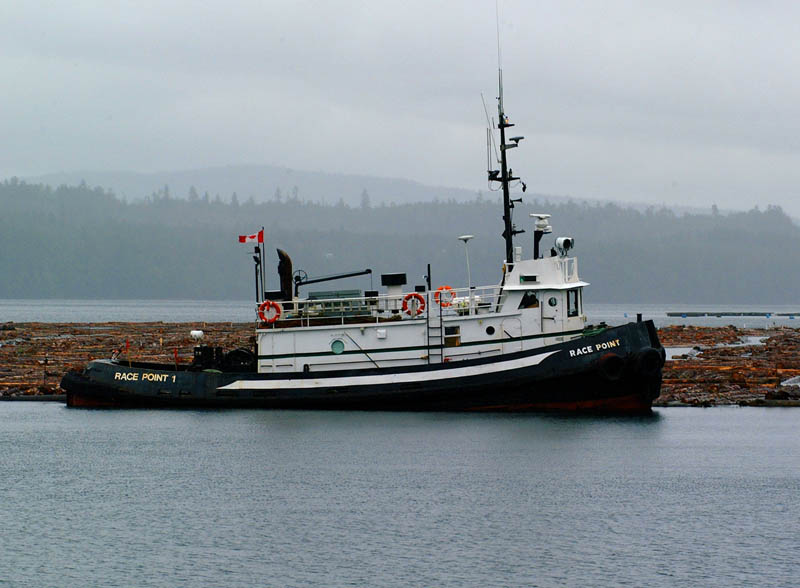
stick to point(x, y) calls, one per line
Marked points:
point(520, 345)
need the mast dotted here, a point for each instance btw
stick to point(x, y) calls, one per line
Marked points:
point(505, 175)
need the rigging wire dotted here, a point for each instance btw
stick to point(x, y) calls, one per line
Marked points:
point(490, 124)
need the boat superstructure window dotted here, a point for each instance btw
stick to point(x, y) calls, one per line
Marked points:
point(452, 336)
point(529, 300)
point(573, 302)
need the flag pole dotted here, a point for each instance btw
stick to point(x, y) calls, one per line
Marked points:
point(263, 274)
point(255, 269)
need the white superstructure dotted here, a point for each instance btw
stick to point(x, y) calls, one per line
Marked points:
point(538, 303)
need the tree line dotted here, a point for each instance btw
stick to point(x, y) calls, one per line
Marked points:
point(83, 242)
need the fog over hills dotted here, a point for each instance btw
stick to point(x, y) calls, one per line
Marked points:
point(259, 182)
point(670, 104)
point(264, 182)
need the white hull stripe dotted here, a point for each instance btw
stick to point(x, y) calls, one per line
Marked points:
point(389, 379)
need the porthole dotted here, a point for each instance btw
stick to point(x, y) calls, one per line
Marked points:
point(552, 301)
point(337, 346)
point(490, 330)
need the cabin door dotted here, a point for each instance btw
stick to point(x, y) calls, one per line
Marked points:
point(552, 312)
point(512, 331)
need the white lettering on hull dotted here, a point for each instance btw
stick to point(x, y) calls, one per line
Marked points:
point(594, 348)
point(145, 377)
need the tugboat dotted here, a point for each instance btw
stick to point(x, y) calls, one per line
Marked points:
point(520, 345)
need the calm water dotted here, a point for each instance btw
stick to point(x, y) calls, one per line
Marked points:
point(82, 311)
point(689, 497)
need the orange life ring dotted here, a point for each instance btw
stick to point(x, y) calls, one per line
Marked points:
point(420, 306)
point(265, 307)
point(446, 300)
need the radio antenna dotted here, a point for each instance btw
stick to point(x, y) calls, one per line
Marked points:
point(497, 23)
point(504, 175)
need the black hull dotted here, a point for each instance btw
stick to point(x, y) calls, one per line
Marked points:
point(618, 370)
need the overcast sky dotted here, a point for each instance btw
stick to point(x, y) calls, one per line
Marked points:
point(672, 102)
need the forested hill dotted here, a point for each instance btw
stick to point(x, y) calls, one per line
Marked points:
point(78, 242)
point(260, 182)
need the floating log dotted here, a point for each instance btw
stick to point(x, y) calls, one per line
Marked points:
point(34, 357)
point(727, 372)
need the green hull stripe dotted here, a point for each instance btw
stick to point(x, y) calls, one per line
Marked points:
point(418, 347)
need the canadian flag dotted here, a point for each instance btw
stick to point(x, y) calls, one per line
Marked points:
point(256, 238)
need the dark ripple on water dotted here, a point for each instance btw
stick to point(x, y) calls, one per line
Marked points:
point(148, 498)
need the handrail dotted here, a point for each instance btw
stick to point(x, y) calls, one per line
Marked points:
point(381, 308)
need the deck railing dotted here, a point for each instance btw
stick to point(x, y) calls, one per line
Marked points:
point(385, 307)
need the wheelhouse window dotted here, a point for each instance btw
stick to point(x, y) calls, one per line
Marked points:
point(529, 300)
point(573, 302)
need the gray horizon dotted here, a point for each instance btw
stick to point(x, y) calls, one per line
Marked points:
point(677, 104)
